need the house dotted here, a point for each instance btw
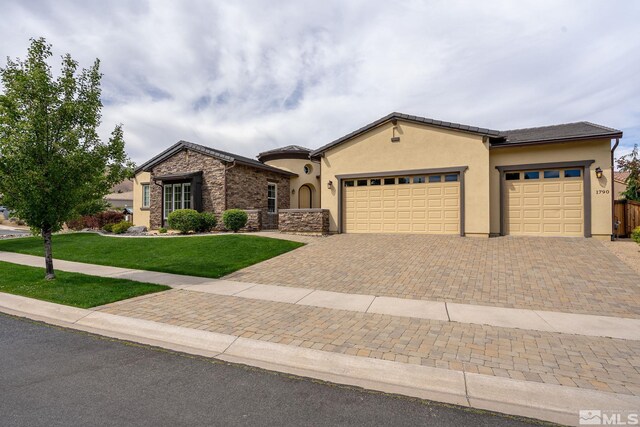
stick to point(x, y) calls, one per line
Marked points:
point(121, 195)
point(620, 184)
point(192, 176)
point(401, 174)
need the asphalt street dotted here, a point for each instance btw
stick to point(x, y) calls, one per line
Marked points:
point(51, 376)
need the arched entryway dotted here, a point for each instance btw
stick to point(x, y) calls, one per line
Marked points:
point(305, 197)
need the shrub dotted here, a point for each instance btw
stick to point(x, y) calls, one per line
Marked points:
point(184, 220)
point(122, 227)
point(234, 219)
point(162, 230)
point(207, 222)
point(108, 228)
point(635, 235)
point(96, 221)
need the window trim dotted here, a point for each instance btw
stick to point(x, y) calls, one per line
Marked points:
point(173, 186)
point(274, 198)
point(146, 185)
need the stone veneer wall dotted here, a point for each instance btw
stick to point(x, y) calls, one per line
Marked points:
point(254, 220)
point(304, 221)
point(247, 189)
point(186, 161)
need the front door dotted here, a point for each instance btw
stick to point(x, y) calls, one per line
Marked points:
point(304, 197)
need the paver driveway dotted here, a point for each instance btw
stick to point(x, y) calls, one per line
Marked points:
point(558, 274)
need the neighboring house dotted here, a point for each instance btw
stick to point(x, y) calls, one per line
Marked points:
point(620, 184)
point(121, 195)
point(401, 174)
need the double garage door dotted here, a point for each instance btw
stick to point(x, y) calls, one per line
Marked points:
point(402, 204)
point(545, 202)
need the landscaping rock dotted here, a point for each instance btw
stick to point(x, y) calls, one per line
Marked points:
point(137, 229)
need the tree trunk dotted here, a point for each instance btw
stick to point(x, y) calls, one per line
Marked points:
point(48, 255)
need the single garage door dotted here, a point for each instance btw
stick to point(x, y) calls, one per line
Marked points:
point(402, 204)
point(545, 202)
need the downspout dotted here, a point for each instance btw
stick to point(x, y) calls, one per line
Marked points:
point(613, 195)
point(233, 164)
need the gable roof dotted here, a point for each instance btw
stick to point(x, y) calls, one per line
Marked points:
point(207, 151)
point(557, 133)
point(408, 118)
point(537, 135)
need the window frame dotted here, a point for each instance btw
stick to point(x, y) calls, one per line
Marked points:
point(172, 204)
point(146, 195)
point(274, 198)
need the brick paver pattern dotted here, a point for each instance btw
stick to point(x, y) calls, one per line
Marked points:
point(555, 274)
point(577, 361)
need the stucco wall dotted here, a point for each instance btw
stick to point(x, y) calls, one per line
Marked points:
point(140, 216)
point(420, 147)
point(297, 166)
point(598, 150)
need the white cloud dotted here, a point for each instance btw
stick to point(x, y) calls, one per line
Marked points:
point(249, 76)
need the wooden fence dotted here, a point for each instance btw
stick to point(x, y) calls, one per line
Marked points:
point(627, 212)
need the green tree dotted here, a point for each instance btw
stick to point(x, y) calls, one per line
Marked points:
point(631, 163)
point(51, 157)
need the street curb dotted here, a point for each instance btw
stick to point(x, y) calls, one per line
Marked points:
point(523, 398)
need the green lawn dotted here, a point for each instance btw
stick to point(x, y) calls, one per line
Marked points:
point(205, 256)
point(78, 290)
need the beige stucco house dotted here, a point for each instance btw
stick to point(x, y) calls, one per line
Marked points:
point(409, 174)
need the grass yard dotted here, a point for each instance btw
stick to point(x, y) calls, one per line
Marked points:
point(73, 289)
point(205, 256)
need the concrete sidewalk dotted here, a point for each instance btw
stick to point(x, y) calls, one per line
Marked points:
point(544, 401)
point(536, 320)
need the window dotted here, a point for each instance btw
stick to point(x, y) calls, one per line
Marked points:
point(168, 200)
point(532, 175)
point(572, 173)
point(186, 196)
point(451, 178)
point(435, 178)
point(272, 196)
point(176, 196)
point(404, 180)
point(348, 183)
point(419, 180)
point(551, 174)
point(389, 181)
point(362, 183)
point(375, 181)
point(146, 195)
point(512, 176)
point(308, 169)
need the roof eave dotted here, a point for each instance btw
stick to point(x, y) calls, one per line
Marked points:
point(554, 140)
point(402, 117)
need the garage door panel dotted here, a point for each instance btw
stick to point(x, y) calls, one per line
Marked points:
point(548, 207)
point(423, 207)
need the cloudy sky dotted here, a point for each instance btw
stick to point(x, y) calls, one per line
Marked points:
point(248, 76)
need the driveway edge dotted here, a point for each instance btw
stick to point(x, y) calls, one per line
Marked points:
point(523, 398)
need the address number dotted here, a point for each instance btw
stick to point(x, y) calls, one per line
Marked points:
point(602, 191)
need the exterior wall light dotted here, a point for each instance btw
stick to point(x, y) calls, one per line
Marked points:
point(598, 172)
point(293, 191)
point(329, 185)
